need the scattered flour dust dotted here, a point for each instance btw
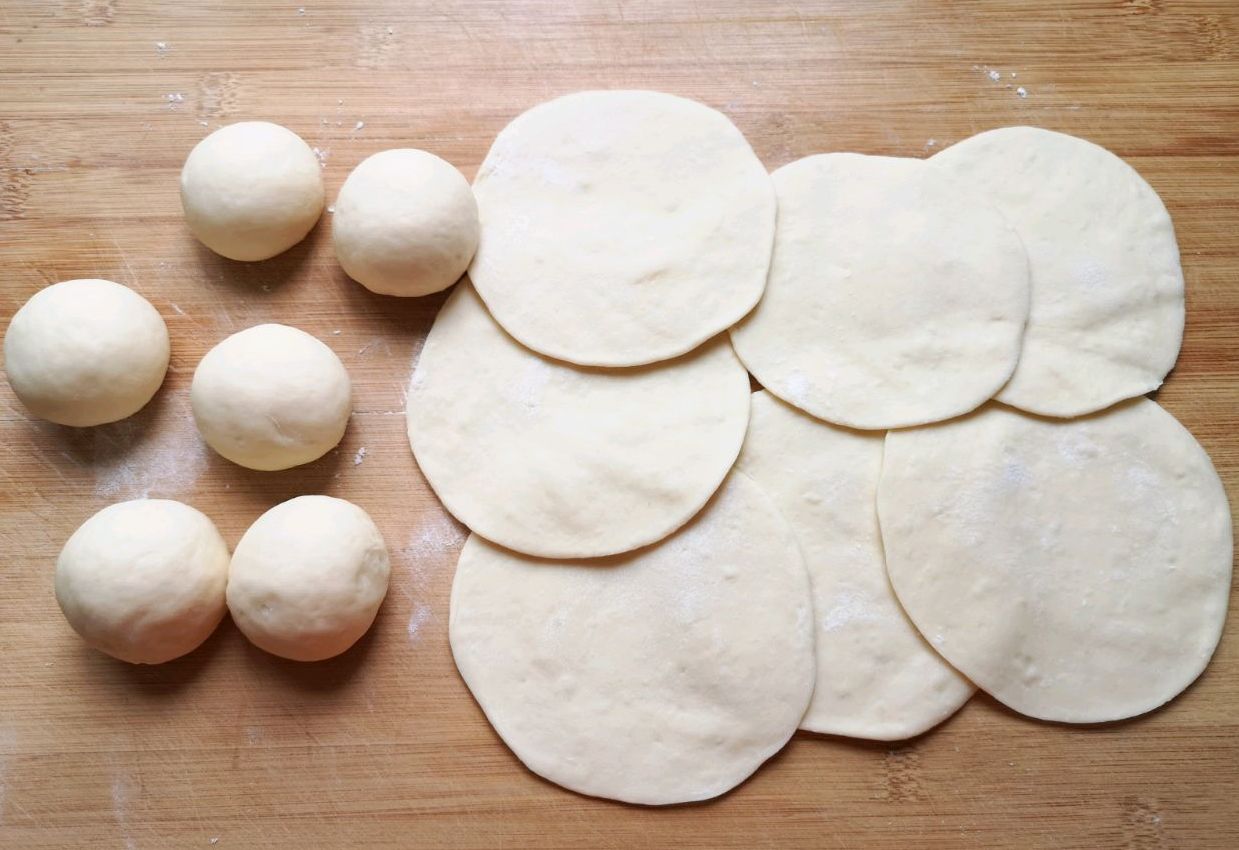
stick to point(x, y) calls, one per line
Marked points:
point(122, 788)
point(430, 547)
point(420, 615)
point(138, 460)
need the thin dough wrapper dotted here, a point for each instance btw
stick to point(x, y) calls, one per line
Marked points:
point(620, 228)
point(569, 462)
point(895, 297)
point(1076, 570)
point(876, 676)
point(1107, 288)
point(664, 676)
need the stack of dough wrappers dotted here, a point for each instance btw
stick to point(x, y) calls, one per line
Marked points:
point(952, 479)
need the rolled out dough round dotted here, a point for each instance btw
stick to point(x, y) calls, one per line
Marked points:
point(562, 461)
point(621, 227)
point(896, 296)
point(876, 676)
point(1107, 289)
point(663, 676)
point(1076, 570)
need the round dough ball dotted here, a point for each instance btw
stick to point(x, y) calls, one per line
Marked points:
point(876, 676)
point(405, 223)
point(144, 581)
point(1107, 290)
point(308, 577)
point(271, 397)
point(560, 461)
point(621, 227)
point(86, 352)
point(251, 190)
point(1077, 570)
point(663, 676)
point(896, 297)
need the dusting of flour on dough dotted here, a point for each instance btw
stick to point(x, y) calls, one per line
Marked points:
point(850, 606)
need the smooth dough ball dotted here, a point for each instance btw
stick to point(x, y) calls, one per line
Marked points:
point(405, 223)
point(308, 577)
point(144, 581)
point(1107, 289)
point(271, 397)
point(662, 676)
point(620, 228)
point(86, 352)
point(1077, 570)
point(876, 676)
point(251, 190)
point(896, 296)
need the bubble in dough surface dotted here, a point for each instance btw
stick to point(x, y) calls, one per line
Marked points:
point(271, 397)
point(144, 580)
point(251, 190)
point(86, 352)
point(308, 577)
point(405, 223)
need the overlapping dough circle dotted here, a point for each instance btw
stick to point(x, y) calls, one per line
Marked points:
point(621, 227)
point(663, 676)
point(896, 297)
point(876, 676)
point(1076, 570)
point(569, 462)
point(1107, 289)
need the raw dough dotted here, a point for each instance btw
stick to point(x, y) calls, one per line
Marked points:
point(663, 676)
point(86, 352)
point(562, 461)
point(621, 227)
point(271, 397)
point(896, 297)
point(144, 581)
point(251, 190)
point(308, 577)
point(405, 223)
point(876, 676)
point(1107, 290)
point(1076, 570)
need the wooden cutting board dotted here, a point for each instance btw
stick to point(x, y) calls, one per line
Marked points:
point(100, 101)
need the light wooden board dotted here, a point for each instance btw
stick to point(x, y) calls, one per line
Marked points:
point(384, 748)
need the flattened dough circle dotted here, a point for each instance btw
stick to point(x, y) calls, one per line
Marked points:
point(876, 676)
point(621, 227)
point(1107, 289)
point(1076, 570)
point(562, 461)
point(895, 297)
point(664, 676)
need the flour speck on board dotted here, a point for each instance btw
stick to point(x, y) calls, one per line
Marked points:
point(359, 125)
point(136, 462)
point(419, 617)
point(321, 153)
point(1022, 92)
point(161, 47)
point(995, 76)
point(360, 456)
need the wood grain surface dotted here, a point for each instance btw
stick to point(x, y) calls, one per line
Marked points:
point(100, 101)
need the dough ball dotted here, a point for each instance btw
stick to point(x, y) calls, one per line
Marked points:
point(662, 676)
point(271, 397)
point(1107, 289)
point(560, 461)
point(621, 228)
point(144, 581)
point(876, 676)
point(251, 190)
point(1077, 570)
point(405, 223)
point(86, 352)
point(308, 577)
point(895, 297)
